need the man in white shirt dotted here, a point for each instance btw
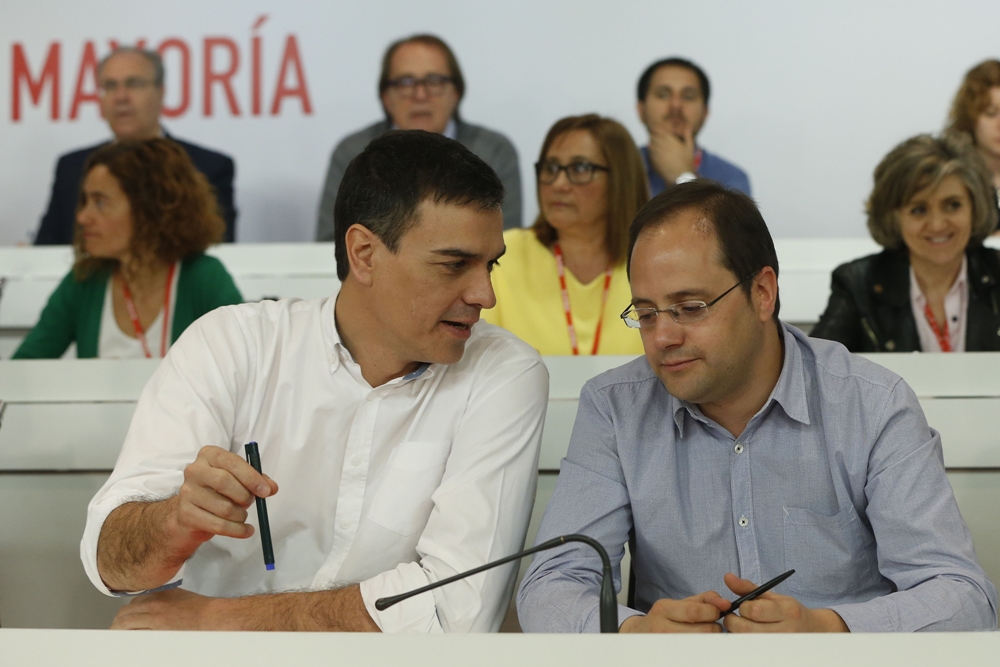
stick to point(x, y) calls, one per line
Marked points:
point(404, 436)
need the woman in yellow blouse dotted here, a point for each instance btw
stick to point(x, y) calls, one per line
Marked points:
point(561, 284)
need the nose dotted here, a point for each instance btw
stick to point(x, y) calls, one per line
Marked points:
point(83, 216)
point(480, 291)
point(562, 180)
point(666, 334)
point(420, 91)
point(938, 219)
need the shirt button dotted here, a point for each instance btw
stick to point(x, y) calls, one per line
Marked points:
point(345, 524)
point(356, 461)
point(738, 448)
point(744, 522)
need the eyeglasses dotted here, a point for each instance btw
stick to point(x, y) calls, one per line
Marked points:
point(579, 172)
point(683, 313)
point(110, 87)
point(434, 84)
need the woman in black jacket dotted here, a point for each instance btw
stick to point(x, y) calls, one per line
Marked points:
point(935, 287)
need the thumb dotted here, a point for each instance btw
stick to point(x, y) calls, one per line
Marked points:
point(739, 586)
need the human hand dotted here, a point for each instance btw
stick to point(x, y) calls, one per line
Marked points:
point(773, 612)
point(697, 613)
point(175, 609)
point(670, 154)
point(218, 488)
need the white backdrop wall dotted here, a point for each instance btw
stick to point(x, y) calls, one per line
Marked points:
point(807, 96)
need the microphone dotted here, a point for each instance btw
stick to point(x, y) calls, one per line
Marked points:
point(609, 604)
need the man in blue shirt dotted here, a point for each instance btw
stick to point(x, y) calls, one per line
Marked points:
point(673, 105)
point(739, 445)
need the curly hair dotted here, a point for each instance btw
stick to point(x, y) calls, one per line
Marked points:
point(923, 162)
point(973, 97)
point(174, 211)
point(628, 189)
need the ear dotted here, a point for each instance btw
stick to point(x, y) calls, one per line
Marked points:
point(361, 245)
point(765, 293)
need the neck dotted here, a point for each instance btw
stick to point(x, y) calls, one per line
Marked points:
point(359, 333)
point(145, 276)
point(935, 280)
point(993, 164)
point(584, 254)
point(734, 412)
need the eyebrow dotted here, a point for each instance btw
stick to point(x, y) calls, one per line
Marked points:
point(674, 297)
point(461, 253)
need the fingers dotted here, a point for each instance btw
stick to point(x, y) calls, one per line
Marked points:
point(689, 610)
point(218, 488)
point(737, 585)
point(253, 482)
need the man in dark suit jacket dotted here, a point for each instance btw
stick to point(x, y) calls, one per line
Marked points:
point(420, 88)
point(130, 87)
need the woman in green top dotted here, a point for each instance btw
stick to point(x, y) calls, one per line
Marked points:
point(144, 220)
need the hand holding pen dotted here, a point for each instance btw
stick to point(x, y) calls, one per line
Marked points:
point(219, 487)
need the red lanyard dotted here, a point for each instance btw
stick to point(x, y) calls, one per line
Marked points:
point(134, 315)
point(943, 339)
point(569, 313)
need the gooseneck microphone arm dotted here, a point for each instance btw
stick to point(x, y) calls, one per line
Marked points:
point(609, 603)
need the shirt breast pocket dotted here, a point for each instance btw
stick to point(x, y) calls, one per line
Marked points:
point(413, 472)
point(831, 555)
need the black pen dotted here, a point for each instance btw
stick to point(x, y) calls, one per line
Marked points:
point(757, 592)
point(253, 458)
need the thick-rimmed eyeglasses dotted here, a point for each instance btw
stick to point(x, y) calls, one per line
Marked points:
point(434, 84)
point(685, 312)
point(110, 87)
point(579, 172)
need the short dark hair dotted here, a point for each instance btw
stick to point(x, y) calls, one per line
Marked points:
point(647, 76)
point(455, 72)
point(384, 185)
point(745, 243)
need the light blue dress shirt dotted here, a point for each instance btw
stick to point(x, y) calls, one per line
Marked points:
point(838, 476)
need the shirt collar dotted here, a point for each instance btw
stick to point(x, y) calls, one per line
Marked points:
point(789, 392)
point(338, 354)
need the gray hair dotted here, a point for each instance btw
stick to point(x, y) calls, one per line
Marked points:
point(923, 162)
point(152, 56)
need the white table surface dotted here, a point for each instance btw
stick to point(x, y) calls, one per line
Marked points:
point(83, 648)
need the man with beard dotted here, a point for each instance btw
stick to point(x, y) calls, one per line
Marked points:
point(673, 105)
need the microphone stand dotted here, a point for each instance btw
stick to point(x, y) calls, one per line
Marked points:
point(609, 604)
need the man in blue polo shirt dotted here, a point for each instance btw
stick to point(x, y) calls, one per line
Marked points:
point(673, 105)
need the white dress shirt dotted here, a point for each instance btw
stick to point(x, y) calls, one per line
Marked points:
point(393, 487)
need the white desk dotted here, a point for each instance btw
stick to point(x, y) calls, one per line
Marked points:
point(27, 648)
point(309, 270)
point(261, 270)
